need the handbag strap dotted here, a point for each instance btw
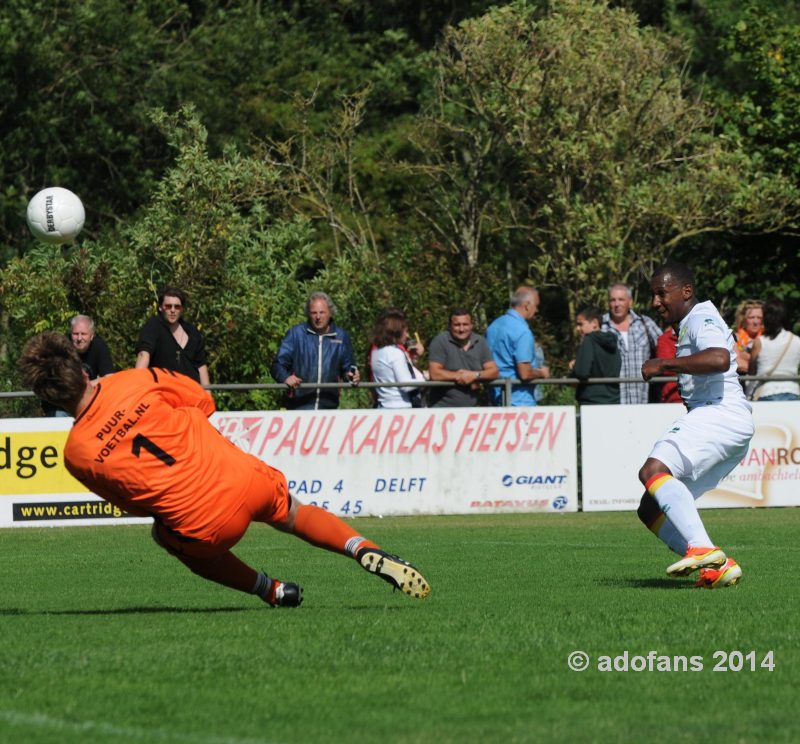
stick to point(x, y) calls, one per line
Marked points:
point(409, 363)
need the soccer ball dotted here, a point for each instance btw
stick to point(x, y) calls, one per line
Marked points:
point(55, 215)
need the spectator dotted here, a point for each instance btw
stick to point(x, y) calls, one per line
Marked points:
point(92, 349)
point(415, 348)
point(598, 356)
point(775, 352)
point(315, 351)
point(637, 336)
point(93, 352)
point(168, 341)
point(514, 348)
point(462, 356)
point(748, 327)
point(391, 362)
point(666, 348)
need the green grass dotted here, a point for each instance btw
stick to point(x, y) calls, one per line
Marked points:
point(105, 638)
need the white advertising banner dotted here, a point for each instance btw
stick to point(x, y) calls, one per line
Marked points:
point(418, 461)
point(353, 462)
point(616, 440)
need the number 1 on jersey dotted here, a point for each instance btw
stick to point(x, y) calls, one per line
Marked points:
point(140, 441)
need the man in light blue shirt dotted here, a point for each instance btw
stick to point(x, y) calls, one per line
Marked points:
point(513, 347)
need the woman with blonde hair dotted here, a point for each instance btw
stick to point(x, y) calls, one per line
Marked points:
point(748, 327)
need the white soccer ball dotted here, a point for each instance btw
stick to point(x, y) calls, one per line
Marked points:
point(55, 215)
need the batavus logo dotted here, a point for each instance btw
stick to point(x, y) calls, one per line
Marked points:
point(533, 479)
point(560, 502)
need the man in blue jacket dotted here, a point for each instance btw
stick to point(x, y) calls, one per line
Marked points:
point(315, 351)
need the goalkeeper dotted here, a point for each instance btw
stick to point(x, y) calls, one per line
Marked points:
point(142, 441)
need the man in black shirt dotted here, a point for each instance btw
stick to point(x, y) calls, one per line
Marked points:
point(93, 351)
point(169, 341)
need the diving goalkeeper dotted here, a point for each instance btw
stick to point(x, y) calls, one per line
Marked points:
point(142, 441)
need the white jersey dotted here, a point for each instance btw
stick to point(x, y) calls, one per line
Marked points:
point(703, 328)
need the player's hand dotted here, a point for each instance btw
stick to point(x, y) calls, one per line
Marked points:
point(652, 368)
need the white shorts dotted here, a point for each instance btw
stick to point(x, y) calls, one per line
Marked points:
point(703, 446)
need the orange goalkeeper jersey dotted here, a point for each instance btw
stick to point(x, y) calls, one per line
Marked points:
point(144, 443)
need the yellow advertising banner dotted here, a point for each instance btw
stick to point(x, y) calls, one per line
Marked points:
point(32, 462)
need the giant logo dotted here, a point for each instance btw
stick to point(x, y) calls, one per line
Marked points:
point(533, 480)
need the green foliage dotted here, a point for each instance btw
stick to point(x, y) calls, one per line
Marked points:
point(79, 79)
point(747, 57)
point(766, 114)
point(74, 78)
point(613, 162)
point(374, 152)
point(211, 229)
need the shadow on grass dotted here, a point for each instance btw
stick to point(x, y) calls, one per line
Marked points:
point(20, 612)
point(647, 583)
point(12, 611)
point(376, 607)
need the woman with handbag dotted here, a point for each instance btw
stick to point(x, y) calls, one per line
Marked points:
point(390, 361)
point(776, 352)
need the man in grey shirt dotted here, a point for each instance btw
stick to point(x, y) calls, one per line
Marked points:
point(462, 356)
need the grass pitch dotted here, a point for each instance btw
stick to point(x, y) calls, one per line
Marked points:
point(105, 638)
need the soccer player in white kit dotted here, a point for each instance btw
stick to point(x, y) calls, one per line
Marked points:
point(704, 445)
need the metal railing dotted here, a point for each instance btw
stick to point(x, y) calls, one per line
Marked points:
point(506, 383)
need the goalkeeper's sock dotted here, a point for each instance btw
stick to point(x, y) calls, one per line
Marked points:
point(325, 530)
point(263, 586)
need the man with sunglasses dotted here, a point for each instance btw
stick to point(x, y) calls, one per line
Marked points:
point(170, 342)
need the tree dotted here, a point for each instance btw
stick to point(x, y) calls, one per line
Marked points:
point(607, 162)
point(212, 228)
point(75, 83)
point(227, 230)
point(746, 57)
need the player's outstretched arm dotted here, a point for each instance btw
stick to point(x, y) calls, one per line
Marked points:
point(705, 362)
